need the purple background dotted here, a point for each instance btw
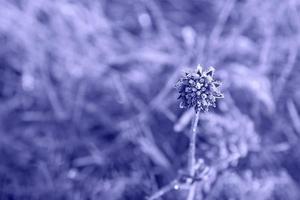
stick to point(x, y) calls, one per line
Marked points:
point(88, 109)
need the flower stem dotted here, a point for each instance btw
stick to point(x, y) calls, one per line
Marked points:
point(163, 190)
point(192, 156)
point(192, 147)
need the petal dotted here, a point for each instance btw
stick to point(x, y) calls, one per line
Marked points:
point(210, 71)
point(199, 70)
point(219, 95)
point(217, 83)
point(181, 105)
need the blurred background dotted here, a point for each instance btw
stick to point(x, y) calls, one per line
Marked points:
point(88, 109)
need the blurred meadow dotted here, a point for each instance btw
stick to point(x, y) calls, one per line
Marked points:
point(88, 109)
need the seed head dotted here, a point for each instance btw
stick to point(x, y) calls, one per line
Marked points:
point(199, 89)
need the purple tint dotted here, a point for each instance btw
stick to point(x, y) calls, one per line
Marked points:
point(89, 109)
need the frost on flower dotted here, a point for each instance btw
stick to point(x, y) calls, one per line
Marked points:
point(199, 89)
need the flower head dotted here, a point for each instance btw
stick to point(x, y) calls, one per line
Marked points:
point(199, 89)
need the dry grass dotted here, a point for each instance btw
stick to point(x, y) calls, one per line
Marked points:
point(88, 109)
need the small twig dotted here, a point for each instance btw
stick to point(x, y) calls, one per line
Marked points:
point(293, 53)
point(286, 72)
point(192, 191)
point(217, 30)
point(164, 190)
point(292, 109)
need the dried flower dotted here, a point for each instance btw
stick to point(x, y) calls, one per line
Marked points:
point(199, 89)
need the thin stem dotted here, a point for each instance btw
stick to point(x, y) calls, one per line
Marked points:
point(192, 192)
point(192, 166)
point(192, 156)
point(163, 190)
point(192, 147)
